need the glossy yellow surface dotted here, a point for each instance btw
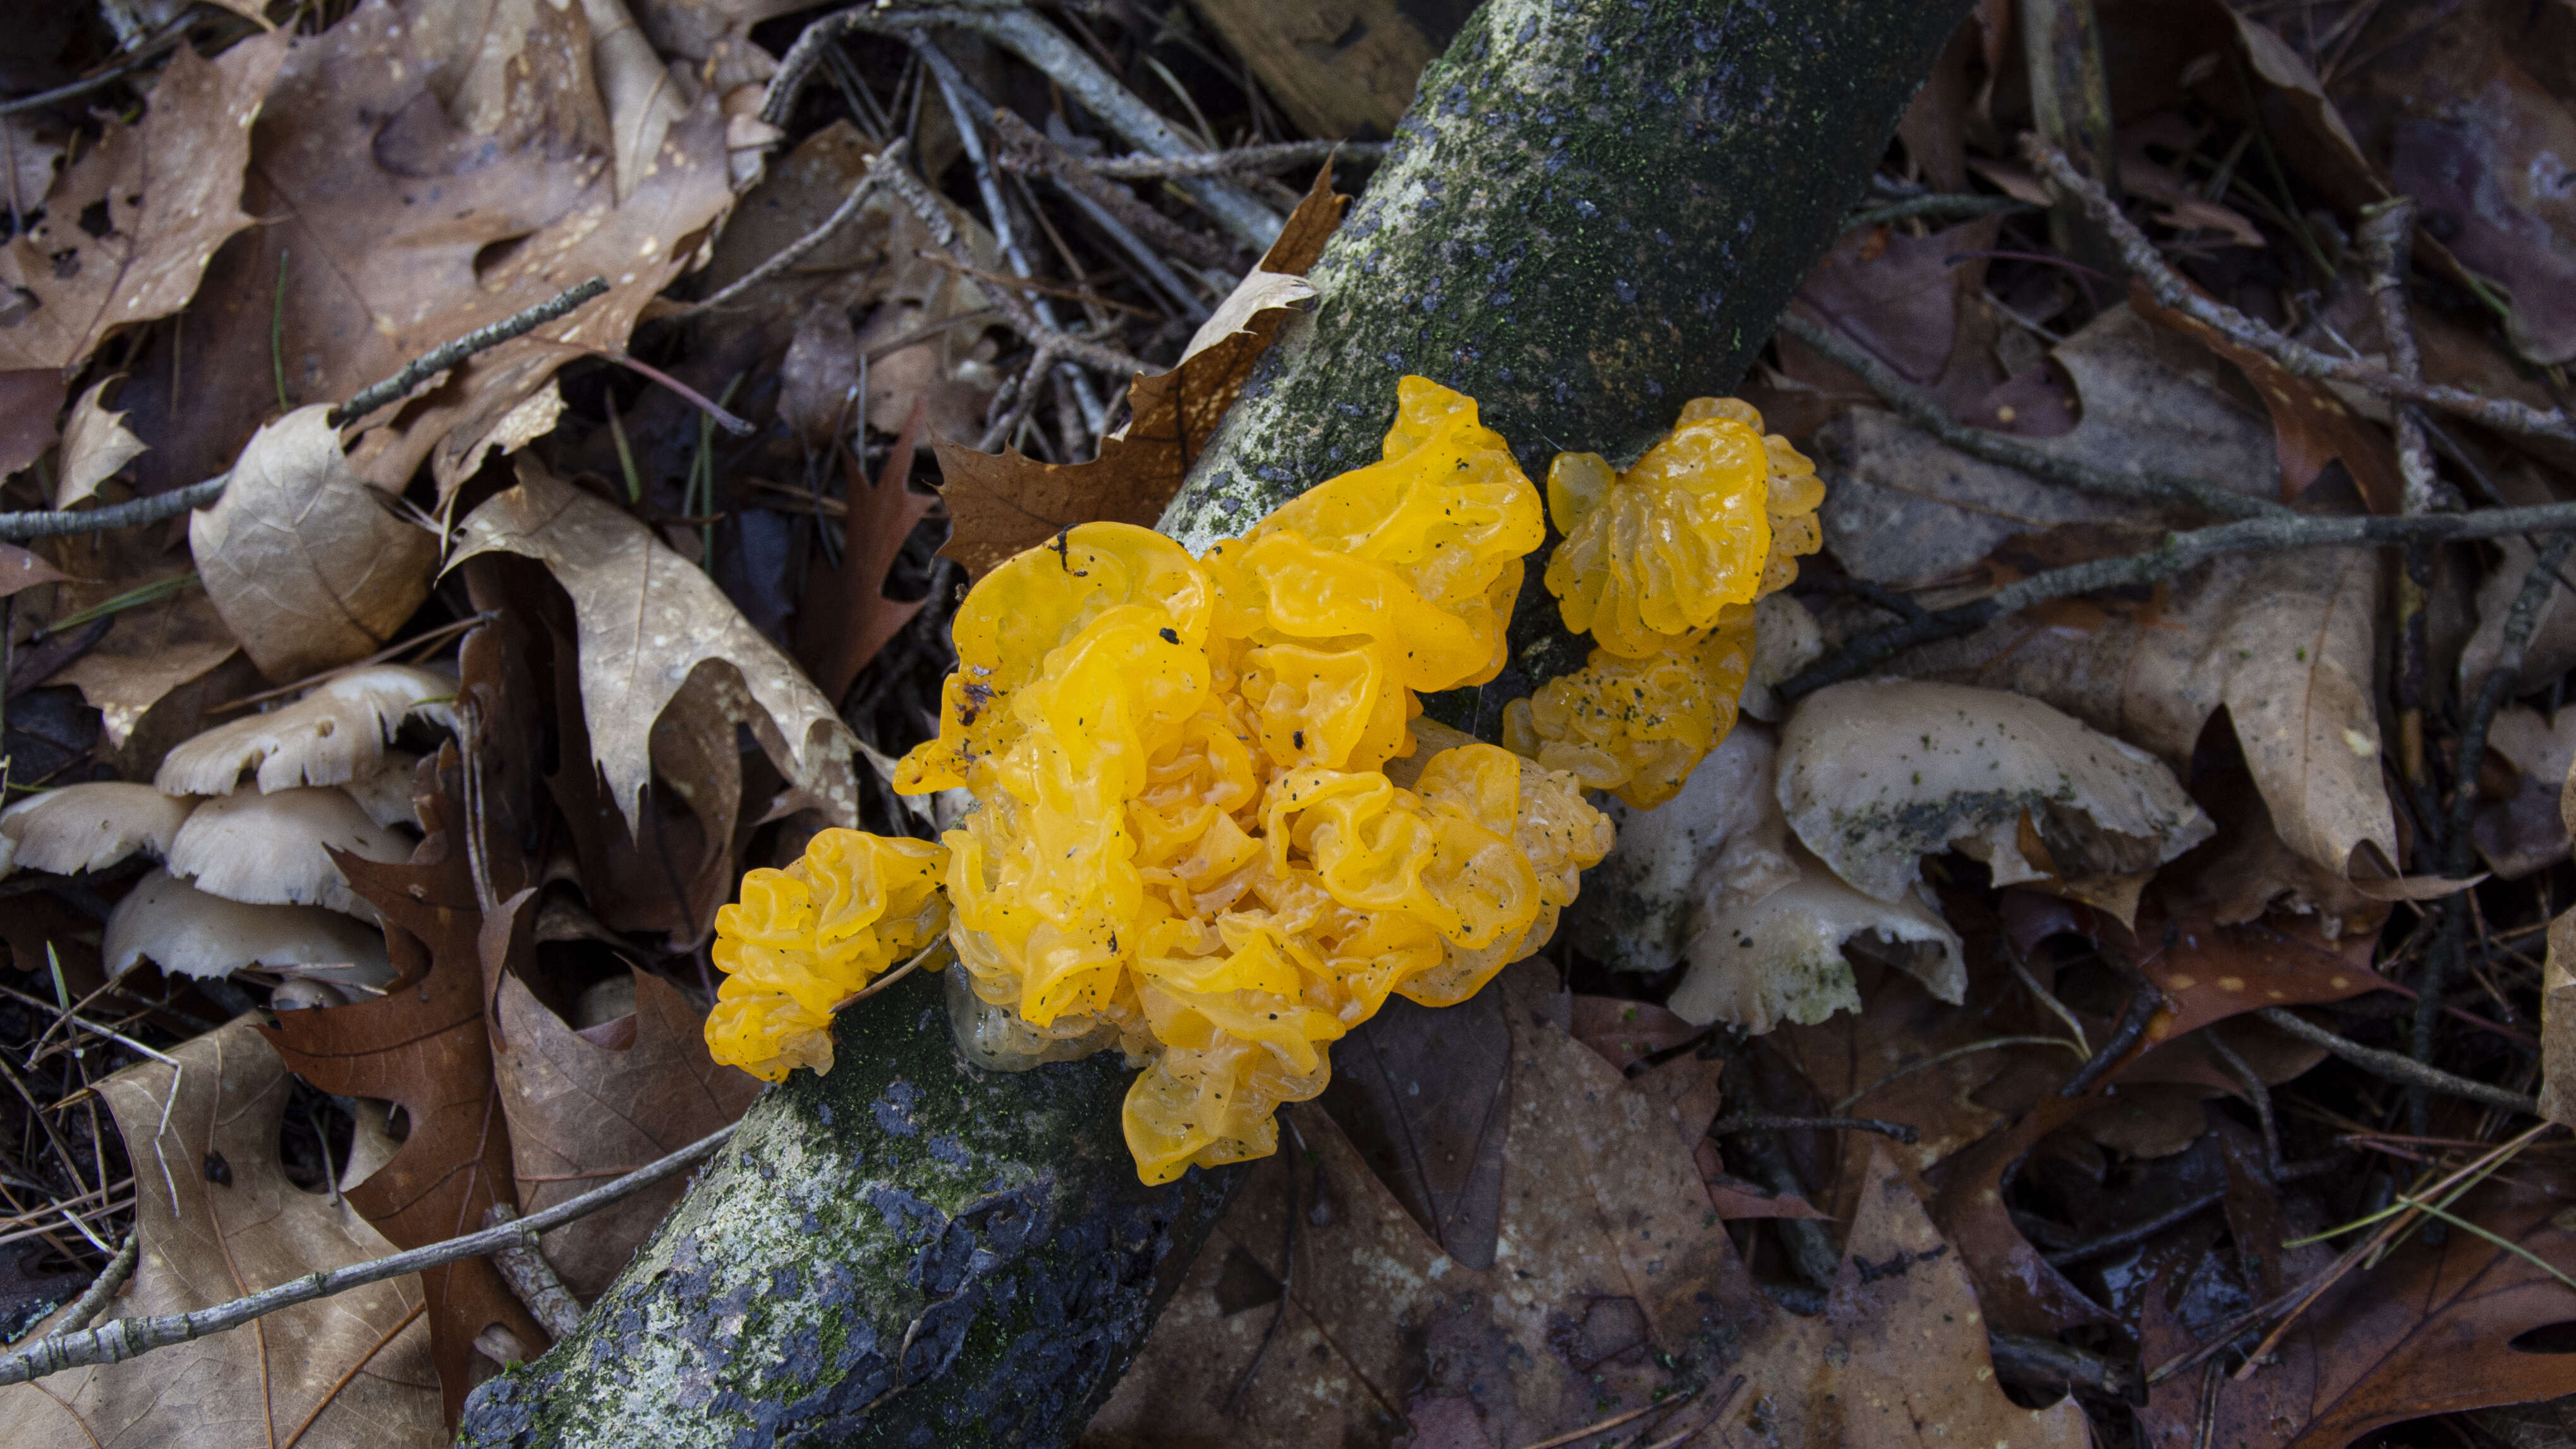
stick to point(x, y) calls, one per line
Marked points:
point(1183, 828)
point(805, 939)
point(1660, 565)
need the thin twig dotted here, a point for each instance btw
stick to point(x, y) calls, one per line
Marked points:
point(104, 1287)
point(447, 354)
point(796, 251)
point(1024, 149)
point(1943, 206)
point(1028, 35)
point(1916, 406)
point(524, 1267)
point(1614, 1421)
point(1015, 311)
point(2145, 1000)
point(2387, 230)
point(1728, 1126)
point(2176, 553)
point(128, 66)
point(2301, 360)
point(58, 523)
point(126, 1338)
point(2396, 1067)
point(1276, 156)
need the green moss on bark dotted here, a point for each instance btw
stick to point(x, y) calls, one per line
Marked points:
point(912, 1250)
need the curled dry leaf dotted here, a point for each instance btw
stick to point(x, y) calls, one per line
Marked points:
point(334, 735)
point(424, 169)
point(424, 1045)
point(588, 1104)
point(309, 566)
point(1876, 775)
point(281, 848)
point(2558, 1000)
point(208, 1238)
point(127, 230)
point(89, 827)
point(187, 932)
point(2551, 649)
point(2287, 642)
point(1612, 1256)
point(1905, 509)
point(647, 619)
point(1003, 503)
point(95, 446)
point(2521, 832)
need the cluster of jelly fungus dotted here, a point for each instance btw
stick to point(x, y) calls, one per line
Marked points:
point(1185, 832)
point(804, 940)
point(1661, 565)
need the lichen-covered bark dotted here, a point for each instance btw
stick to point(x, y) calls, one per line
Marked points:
point(910, 1251)
point(1594, 211)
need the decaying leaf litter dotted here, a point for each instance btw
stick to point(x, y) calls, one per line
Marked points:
point(2087, 993)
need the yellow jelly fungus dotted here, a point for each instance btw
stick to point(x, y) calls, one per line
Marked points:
point(1185, 828)
point(806, 939)
point(1660, 565)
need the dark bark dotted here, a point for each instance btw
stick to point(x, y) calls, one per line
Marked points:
point(1596, 210)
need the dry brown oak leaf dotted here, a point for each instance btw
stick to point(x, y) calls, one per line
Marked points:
point(424, 1046)
point(1608, 1256)
point(129, 228)
point(846, 617)
point(586, 1105)
point(218, 1219)
point(309, 566)
point(1002, 503)
point(426, 173)
point(2286, 642)
point(647, 620)
point(2431, 1330)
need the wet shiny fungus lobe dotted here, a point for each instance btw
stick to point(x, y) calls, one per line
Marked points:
point(1188, 834)
point(1661, 565)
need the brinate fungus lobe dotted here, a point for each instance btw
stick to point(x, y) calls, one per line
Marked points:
point(1661, 565)
point(1186, 832)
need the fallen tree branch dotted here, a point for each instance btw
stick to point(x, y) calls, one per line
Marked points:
point(1916, 406)
point(125, 1338)
point(2396, 1066)
point(2141, 257)
point(2178, 551)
